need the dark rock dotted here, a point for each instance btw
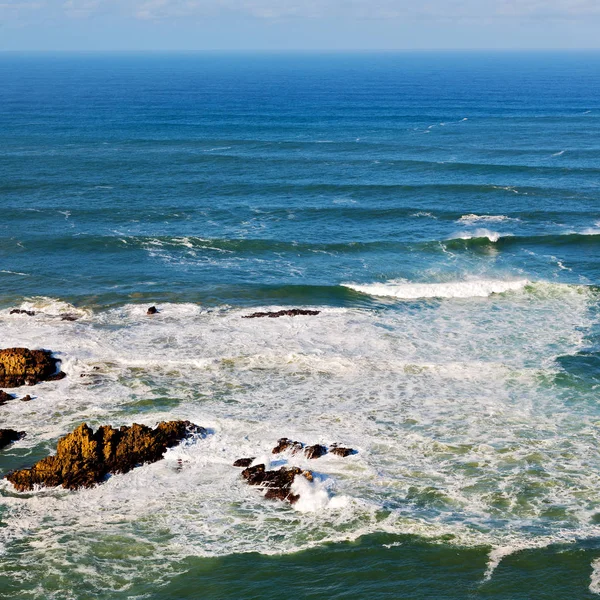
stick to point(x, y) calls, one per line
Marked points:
point(277, 484)
point(84, 458)
point(152, 310)
point(284, 444)
point(21, 366)
point(315, 451)
point(283, 313)
point(244, 462)
point(27, 398)
point(20, 311)
point(8, 436)
point(4, 397)
point(69, 317)
point(340, 451)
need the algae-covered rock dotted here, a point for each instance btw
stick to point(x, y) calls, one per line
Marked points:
point(21, 366)
point(84, 458)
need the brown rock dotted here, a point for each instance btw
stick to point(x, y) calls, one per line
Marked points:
point(27, 398)
point(244, 462)
point(340, 451)
point(284, 444)
point(4, 397)
point(315, 451)
point(84, 458)
point(294, 312)
point(8, 436)
point(21, 366)
point(278, 484)
point(20, 311)
point(152, 310)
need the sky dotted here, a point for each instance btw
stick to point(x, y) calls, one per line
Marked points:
point(288, 25)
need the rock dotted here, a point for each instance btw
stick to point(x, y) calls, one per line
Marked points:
point(284, 444)
point(20, 311)
point(69, 317)
point(27, 398)
point(315, 451)
point(278, 484)
point(152, 310)
point(244, 462)
point(8, 436)
point(283, 313)
point(340, 451)
point(84, 458)
point(21, 366)
point(4, 397)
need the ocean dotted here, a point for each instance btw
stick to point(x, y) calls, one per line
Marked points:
point(440, 210)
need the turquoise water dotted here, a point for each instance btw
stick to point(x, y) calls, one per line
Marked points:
point(443, 213)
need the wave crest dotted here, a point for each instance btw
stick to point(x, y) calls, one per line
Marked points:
point(480, 288)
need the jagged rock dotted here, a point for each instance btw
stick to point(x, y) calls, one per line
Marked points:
point(4, 397)
point(284, 444)
point(20, 311)
point(27, 398)
point(340, 451)
point(244, 462)
point(152, 310)
point(21, 366)
point(294, 312)
point(315, 451)
point(278, 484)
point(84, 458)
point(8, 436)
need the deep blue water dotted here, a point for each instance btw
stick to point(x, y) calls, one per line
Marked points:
point(441, 209)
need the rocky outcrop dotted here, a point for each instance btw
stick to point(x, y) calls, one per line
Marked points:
point(243, 462)
point(277, 484)
point(84, 458)
point(21, 366)
point(4, 397)
point(341, 451)
point(8, 436)
point(152, 310)
point(284, 444)
point(315, 451)
point(20, 311)
point(294, 312)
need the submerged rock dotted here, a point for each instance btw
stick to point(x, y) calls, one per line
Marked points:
point(69, 317)
point(8, 436)
point(84, 458)
point(294, 312)
point(27, 398)
point(284, 444)
point(21, 366)
point(315, 451)
point(244, 462)
point(277, 484)
point(20, 311)
point(152, 310)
